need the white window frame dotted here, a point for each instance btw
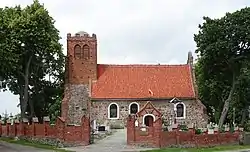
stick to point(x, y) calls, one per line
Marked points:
point(184, 110)
point(118, 110)
point(129, 107)
point(143, 118)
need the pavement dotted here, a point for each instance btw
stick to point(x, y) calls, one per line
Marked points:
point(116, 142)
point(7, 147)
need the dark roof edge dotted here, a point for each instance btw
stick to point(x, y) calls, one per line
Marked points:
point(143, 99)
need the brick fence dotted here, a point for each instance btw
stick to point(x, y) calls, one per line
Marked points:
point(60, 132)
point(155, 136)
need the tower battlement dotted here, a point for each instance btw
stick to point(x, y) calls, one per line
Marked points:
point(81, 35)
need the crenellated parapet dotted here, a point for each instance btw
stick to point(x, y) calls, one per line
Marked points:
point(81, 36)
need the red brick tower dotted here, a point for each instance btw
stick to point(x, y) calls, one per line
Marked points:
point(82, 58)
point(81, 68)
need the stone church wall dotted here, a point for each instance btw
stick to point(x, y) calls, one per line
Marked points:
point(194, 112)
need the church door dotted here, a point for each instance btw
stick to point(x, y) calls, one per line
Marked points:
point(149, 121)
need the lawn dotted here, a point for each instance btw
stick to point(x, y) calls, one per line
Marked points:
point(214, 149)
point(36, 145)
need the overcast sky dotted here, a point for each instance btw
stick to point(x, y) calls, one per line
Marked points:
point(131, 31)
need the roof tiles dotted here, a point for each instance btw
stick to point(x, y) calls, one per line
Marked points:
point(143, 81)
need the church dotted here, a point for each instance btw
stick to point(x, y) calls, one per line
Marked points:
point(109, 93)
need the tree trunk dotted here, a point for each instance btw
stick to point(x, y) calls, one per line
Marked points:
point(26, 88)
point(227, 102)
point(32, 111)
point(21, 101)
point(244, 115)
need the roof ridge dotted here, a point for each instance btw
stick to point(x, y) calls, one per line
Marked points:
point(122, 65)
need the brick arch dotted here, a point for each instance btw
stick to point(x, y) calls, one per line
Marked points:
point(148, 110)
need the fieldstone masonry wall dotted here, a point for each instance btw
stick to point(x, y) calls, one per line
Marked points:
point(75, 103)
point(194, 112)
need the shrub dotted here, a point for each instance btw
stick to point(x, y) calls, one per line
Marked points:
point(198, 131)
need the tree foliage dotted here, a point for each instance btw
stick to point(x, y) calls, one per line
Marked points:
point(223, 47)
point(30, 52)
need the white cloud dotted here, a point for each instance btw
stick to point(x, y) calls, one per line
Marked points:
point(129, 31)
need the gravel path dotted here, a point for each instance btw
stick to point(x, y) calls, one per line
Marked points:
point(114, 143)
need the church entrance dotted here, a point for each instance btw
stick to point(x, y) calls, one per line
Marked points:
point(149, 120)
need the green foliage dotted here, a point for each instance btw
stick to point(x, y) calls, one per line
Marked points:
point(198, 131)
point(224, 51)
point(30, 51)
point(183, 127)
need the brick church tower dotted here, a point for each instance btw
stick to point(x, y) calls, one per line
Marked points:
point(80, 70)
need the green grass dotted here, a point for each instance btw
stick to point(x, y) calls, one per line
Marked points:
point(36, 145)
point(214, 149)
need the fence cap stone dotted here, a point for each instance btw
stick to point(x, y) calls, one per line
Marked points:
point(35, 119)
point(8, 121)
point(46, 119)
point(190, 126)
point(17, 121)
point(174, 126)
point(25, 120)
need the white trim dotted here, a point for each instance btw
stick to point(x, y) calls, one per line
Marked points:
point(143, 121)
point(118, 110)
point(184, 110)
point(129, 107)
point(172, 100)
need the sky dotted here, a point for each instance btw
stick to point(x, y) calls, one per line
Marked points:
point(131, 31)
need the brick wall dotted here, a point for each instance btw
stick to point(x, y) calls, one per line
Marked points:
point(66, 134)
point(156, 137)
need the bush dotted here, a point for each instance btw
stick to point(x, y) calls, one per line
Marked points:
point(198, 131)
point(183, 127)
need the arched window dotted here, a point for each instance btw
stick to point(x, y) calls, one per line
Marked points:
point(77, 51)
point(133, 108)
point(180, 110)
point(113, 111)
point(86, 52)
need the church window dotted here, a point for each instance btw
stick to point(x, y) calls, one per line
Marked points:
point(113, 111)
point(77, 51)
point(180, 110)
point(133, 108)
point(86, 52)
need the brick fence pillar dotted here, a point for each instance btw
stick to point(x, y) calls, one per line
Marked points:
point(86, 130)
point(35, 121)
point(130, 130)
point(8, 128)
point(60, 128)
point(46, 121)
point(157, 132)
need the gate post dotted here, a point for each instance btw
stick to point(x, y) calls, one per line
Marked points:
point(130, 130)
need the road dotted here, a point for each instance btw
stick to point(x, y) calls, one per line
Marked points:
point(7, 147)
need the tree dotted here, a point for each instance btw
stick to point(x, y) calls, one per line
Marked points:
point(223, 47)
point(33, 42)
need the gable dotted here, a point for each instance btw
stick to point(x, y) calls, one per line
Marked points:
point(143, 81)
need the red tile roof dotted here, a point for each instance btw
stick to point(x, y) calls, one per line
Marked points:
point(137, 81)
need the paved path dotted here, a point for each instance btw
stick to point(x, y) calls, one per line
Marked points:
point(114, 143)
point(7, 147)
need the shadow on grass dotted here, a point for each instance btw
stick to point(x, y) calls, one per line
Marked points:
point(36, 145)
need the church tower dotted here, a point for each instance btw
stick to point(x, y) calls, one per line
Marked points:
point(80, 70)
point(82, 58)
